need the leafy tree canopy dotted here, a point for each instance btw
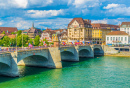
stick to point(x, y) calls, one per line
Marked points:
point(3, 32)
point(37, 40)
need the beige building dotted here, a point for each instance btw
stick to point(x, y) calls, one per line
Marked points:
point(32, 32)
point(79, 29)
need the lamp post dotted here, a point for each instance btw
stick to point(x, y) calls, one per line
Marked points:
point(16, 42)
point(22, 39)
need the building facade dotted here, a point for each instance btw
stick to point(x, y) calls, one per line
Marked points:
point(100, 31)
point(47, 34)
point(32, 32)
point(125, 26)
point(117, 37)
point(79, 29)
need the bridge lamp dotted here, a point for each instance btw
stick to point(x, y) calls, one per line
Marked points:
point(16, 42)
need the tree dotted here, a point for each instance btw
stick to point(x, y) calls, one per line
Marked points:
point(6, 41)
point(41, 43)
point(19, 32)
point(25, 40)
point(13, 42)
point(13, 33)
point(31, 41)
point(46, 41)
point(37, 40)
point(1, 42)
point(19, 41)
point(3, 32)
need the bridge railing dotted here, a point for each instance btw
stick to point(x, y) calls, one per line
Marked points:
point(13, 49)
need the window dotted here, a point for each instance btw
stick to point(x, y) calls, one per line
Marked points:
point(125, 38)
point(81, 30)
point(121, 38)
point(111, 38)
point(107, 38)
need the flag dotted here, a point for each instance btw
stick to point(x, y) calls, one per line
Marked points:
point(83, 42)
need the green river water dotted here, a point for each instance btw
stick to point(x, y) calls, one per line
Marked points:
point(98, 72)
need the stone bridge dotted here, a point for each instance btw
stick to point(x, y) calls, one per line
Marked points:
point(50, 57)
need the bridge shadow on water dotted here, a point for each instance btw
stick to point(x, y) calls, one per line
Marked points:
point(82, 60)
point(31, 70)
point(25, 71)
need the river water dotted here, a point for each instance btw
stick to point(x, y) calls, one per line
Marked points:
point(98, 72)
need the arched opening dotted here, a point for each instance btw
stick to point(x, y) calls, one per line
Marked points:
point(84, 53)
point(67, 56)
point(34, 60)
point(96, 51)
point(4, 68)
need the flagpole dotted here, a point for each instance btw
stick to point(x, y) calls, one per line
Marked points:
point(22, 39)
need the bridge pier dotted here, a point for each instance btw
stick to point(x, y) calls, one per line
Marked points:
point(49, 58)
point(8, 66)
point(69, 53)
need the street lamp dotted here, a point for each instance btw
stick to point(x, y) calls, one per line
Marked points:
point(16, 42)
point(22, 39)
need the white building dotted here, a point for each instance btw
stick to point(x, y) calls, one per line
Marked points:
point(125, 26)
point(117, 37)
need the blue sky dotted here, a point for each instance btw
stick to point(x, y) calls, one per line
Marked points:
point(58, 13)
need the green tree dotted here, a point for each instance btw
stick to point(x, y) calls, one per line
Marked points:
point(13, 42)
point(3, 32)
point(13, 33)
point(25, 40)
point(31, 41)
point(1, 42)
point(46, 41)
point(37, 40)
point(6, 41)
point(41, 43)
point(19, 41)
point(19, 32)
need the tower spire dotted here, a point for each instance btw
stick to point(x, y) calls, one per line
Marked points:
point(33, 24)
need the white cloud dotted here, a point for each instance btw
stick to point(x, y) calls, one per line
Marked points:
point(104, 21)
point(20, 3)
point(40, 3)
point(117, 9)
point(86, 3)
point(109, 6)
point(7, 4)
point(44, 13)
point(1, 23)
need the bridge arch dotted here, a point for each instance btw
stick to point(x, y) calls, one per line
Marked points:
point(33, 60)
point(98, 51)
point(84, 53)
point(4, 67)
point(67, 55)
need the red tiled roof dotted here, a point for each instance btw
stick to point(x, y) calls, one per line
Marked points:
point(32, 30)
point(2, 35)
point(117, 33)
point(80, 21)
point(126, 23)
point(11, 36)
point(9, 29)
point(104, 26)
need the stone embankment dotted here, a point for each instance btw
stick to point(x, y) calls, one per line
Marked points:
point(120, 54)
